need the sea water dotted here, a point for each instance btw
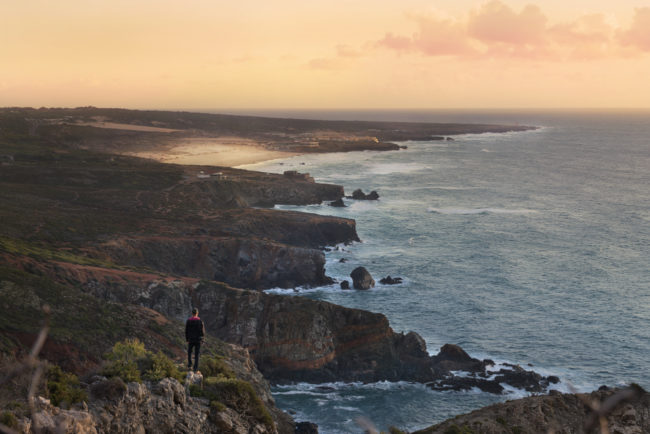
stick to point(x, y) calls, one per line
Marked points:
point(529, 247)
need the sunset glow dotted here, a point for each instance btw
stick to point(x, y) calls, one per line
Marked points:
point(318, 54)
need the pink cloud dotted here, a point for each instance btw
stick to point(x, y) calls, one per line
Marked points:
point(397, 43)
point(435, 37)
point(441, 37)
point(495, 22)
point(347, 51)
point(496, 30)
point(638, 35)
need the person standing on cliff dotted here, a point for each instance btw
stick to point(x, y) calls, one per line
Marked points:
point(194, 332)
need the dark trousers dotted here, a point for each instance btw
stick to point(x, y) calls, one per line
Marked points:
point(197, 347)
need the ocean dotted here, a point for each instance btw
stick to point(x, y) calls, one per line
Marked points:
point(530, 248)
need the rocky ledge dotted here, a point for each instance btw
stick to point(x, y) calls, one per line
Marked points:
point(623, 412)
point(298, 339)
point(161, 407)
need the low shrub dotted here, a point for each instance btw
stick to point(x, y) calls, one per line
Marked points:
point(236, 394)
point(9, 419)
point(64, 388)
point(455, 429)
point(162, 367)
point(214, 366)
point(131, 361)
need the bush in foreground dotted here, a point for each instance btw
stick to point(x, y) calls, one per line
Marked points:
point(131, 361)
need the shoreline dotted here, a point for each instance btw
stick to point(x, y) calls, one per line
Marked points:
point(221, 151)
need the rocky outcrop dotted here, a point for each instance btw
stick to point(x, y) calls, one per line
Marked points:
point(361, 279)
point(337, 203)
point(162, 407)
point(242, 262)
point(286, 227)
point(390, 280)
point(358, 194)
point(298, 339)
point(556, 412)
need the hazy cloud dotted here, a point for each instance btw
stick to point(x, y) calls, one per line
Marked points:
point(638, 35)
point(496, 30)
point(497, 22)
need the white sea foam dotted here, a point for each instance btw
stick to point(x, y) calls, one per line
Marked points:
point(388, 168)
point(469, 211)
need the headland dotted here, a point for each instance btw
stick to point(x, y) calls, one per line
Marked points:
point(121, 246)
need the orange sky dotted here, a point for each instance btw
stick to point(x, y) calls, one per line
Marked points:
point(325, 53)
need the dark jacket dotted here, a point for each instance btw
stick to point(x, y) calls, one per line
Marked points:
point(194, 330)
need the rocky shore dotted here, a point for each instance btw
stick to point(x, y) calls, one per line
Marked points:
point(617, 411)
point(124, 247)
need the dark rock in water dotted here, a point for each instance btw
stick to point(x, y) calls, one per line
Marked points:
point(403, 147)
point(522, 379)
point(412, 344)
point(553, 379)
point(468, 383)
point(343, 260)
point(345, 285)
point(361, 278)
point(358, 194)
point(306, 428)
point(390, 280)
point(602, 388)
point(449, 139)
point(373, 195)
point(338, 203)
point(454, 353)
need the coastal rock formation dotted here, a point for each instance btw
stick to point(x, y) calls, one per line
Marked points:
point(358, 194)
point(361, 279)
point(161, 407)
point(390, 280)
point(345, 284)
point(286, 227)
point(298, 339)
point(556, 412)
point(242, 262)
point(338, 203)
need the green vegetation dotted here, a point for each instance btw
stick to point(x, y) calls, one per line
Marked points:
point(455, 429)
point(130, 361)
point(7, 418)
point(215, 366)
point(236, 394)
point(34, 251)
point(63, 388)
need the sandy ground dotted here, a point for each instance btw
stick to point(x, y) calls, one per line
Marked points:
point(221, 151)
point(116, 126)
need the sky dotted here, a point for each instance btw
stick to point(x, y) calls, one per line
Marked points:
point(325, 54)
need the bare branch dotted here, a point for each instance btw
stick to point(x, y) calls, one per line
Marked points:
point(600, 413)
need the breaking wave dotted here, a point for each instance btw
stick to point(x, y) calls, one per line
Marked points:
point(468, 211)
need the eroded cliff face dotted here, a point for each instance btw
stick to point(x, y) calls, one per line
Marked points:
point(242, 262)
point(298, 339)
point(286, 227)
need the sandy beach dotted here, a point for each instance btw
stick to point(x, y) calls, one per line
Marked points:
point(221, 151)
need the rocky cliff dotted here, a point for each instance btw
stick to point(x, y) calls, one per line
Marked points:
point(160, 407)
point(242, 262)
point(556, 413)
point(298, 339)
